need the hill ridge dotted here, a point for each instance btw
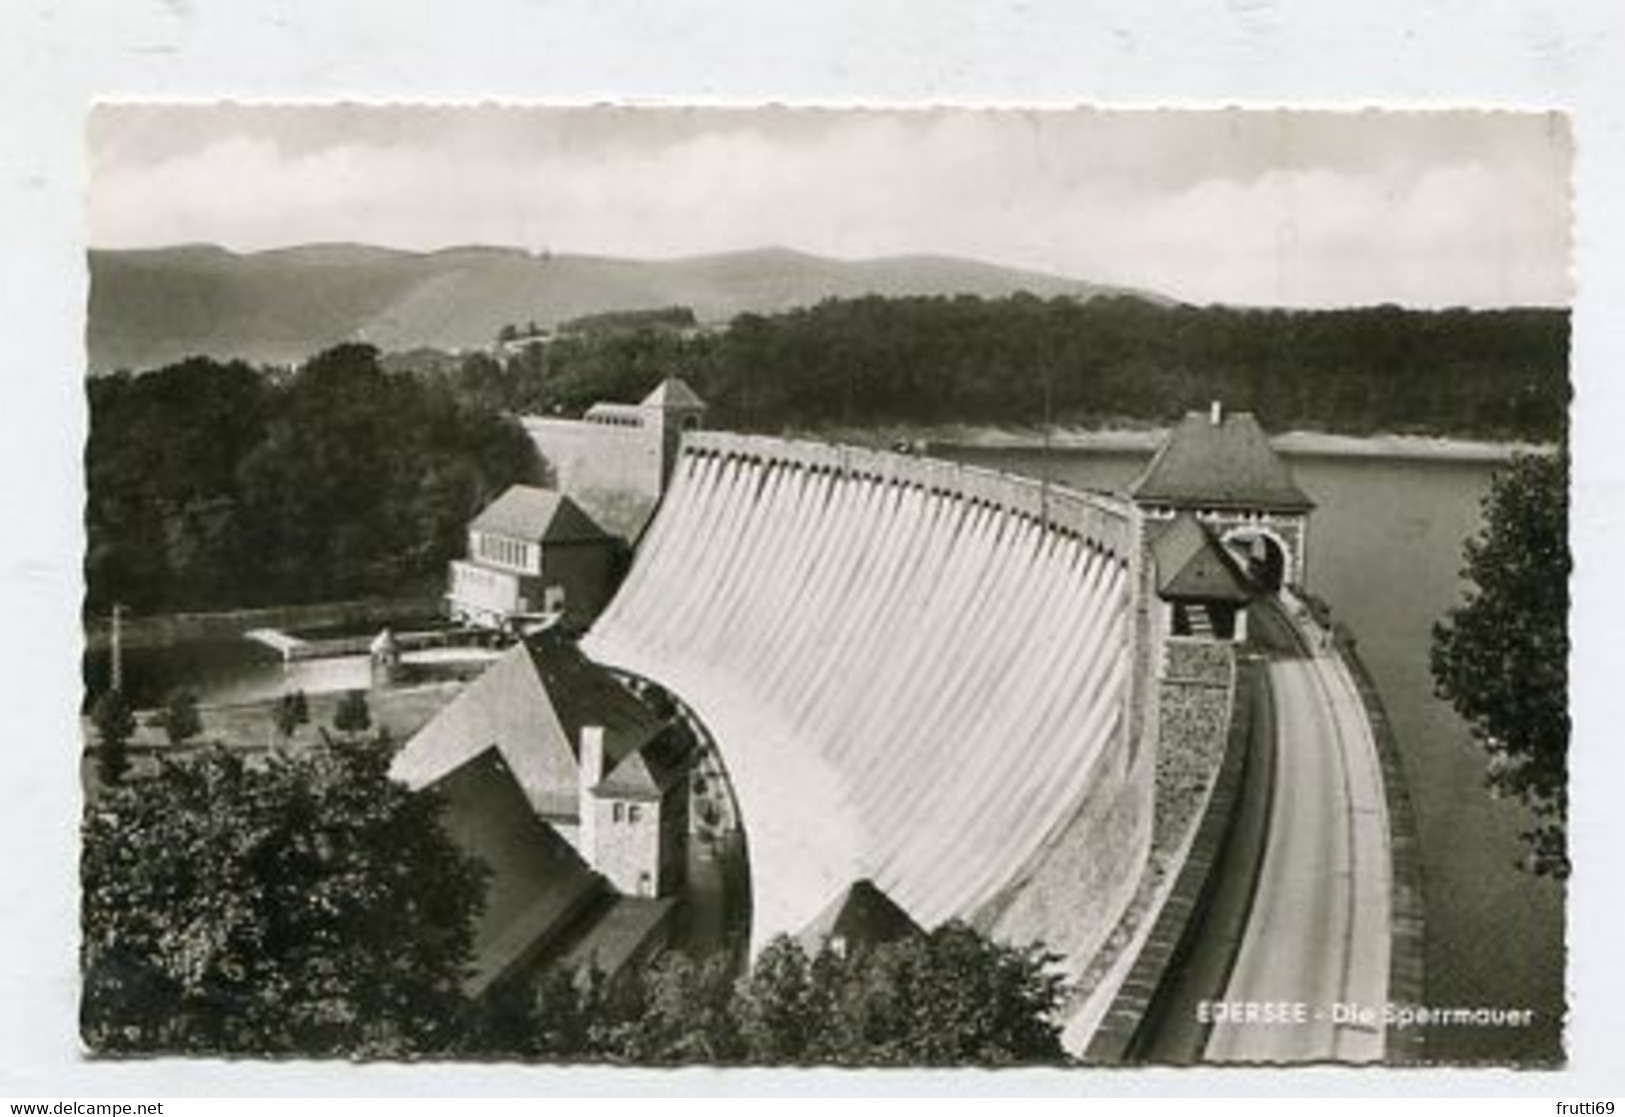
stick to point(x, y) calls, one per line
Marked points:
point(152, 306)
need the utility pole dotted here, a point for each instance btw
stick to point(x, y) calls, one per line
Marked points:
point(117, 682)
point(1043, 473)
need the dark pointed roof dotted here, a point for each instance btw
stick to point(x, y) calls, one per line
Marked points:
point(630, 928)
point(1224, 464)
point(537, 516)
point(673, 394)
point(537, 883)
point(1193, 566)
point(862, 915)
point(646, 772)
point(531, 705)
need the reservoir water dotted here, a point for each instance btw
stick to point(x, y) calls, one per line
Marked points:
point(1385, 553)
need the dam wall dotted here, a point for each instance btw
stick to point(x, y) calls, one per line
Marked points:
point(916, 672)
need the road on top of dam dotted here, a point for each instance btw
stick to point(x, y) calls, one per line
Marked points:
point(1310, 978)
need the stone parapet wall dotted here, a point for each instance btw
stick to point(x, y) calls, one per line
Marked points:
point(1123, 1033)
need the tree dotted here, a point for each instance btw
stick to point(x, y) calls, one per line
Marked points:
point(292, 710)
point(561, 1021)
point(970, 1000)
point(1501, 656)
point(950, 998)
point(180, 718)
point(953, 997)
point(774, 1004)
point(216, 485)
point(688, 1013)
point(307, 906)
point(115, 724)
point(352, 715)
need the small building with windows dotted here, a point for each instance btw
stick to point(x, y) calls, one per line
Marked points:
point(1200, 583)
point(532, 554)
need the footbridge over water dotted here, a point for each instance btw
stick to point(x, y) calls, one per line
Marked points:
point(917, 672)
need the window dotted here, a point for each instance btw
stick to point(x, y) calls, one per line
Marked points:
point(619, 812)
point(632, 813)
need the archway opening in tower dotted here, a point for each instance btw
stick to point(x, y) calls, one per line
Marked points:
point(1261, 556)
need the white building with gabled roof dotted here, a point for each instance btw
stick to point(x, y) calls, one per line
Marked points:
point(533, 555)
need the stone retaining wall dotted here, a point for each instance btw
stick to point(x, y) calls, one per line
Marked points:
point(1120, 1037)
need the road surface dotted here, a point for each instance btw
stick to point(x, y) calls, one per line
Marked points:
point(1310, 977)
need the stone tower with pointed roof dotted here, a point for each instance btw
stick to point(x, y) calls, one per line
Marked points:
point(1220, 469)
point(1220, 523)
point(634, 814)
point(671, 409)
point(592, 761)
point(616, 459)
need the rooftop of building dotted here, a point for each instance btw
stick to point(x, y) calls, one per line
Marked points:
point(537, 883)
point(531, 705)
point(1192, 565)
point(862, 915)
point(648, 771)
point(537, 515)
point(673, 393)
point(1219, 459)
point(626, 928)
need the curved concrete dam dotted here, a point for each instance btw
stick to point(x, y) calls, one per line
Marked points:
point(916, 672)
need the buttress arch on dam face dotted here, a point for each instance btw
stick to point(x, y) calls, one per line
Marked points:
point(916, 673)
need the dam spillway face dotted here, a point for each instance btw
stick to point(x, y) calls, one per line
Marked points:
point(914, 671)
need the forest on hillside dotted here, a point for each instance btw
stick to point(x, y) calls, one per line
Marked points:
point(221, 485)
point(218, 485)
point(1485, 373)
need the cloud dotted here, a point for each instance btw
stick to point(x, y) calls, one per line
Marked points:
point(1296, 209)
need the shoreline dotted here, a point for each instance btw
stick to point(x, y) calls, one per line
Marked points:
point(1296, 443)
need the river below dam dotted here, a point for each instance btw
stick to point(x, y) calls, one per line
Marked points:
point(1385, 552)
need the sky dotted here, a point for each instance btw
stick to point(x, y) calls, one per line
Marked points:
point(1245, 207)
